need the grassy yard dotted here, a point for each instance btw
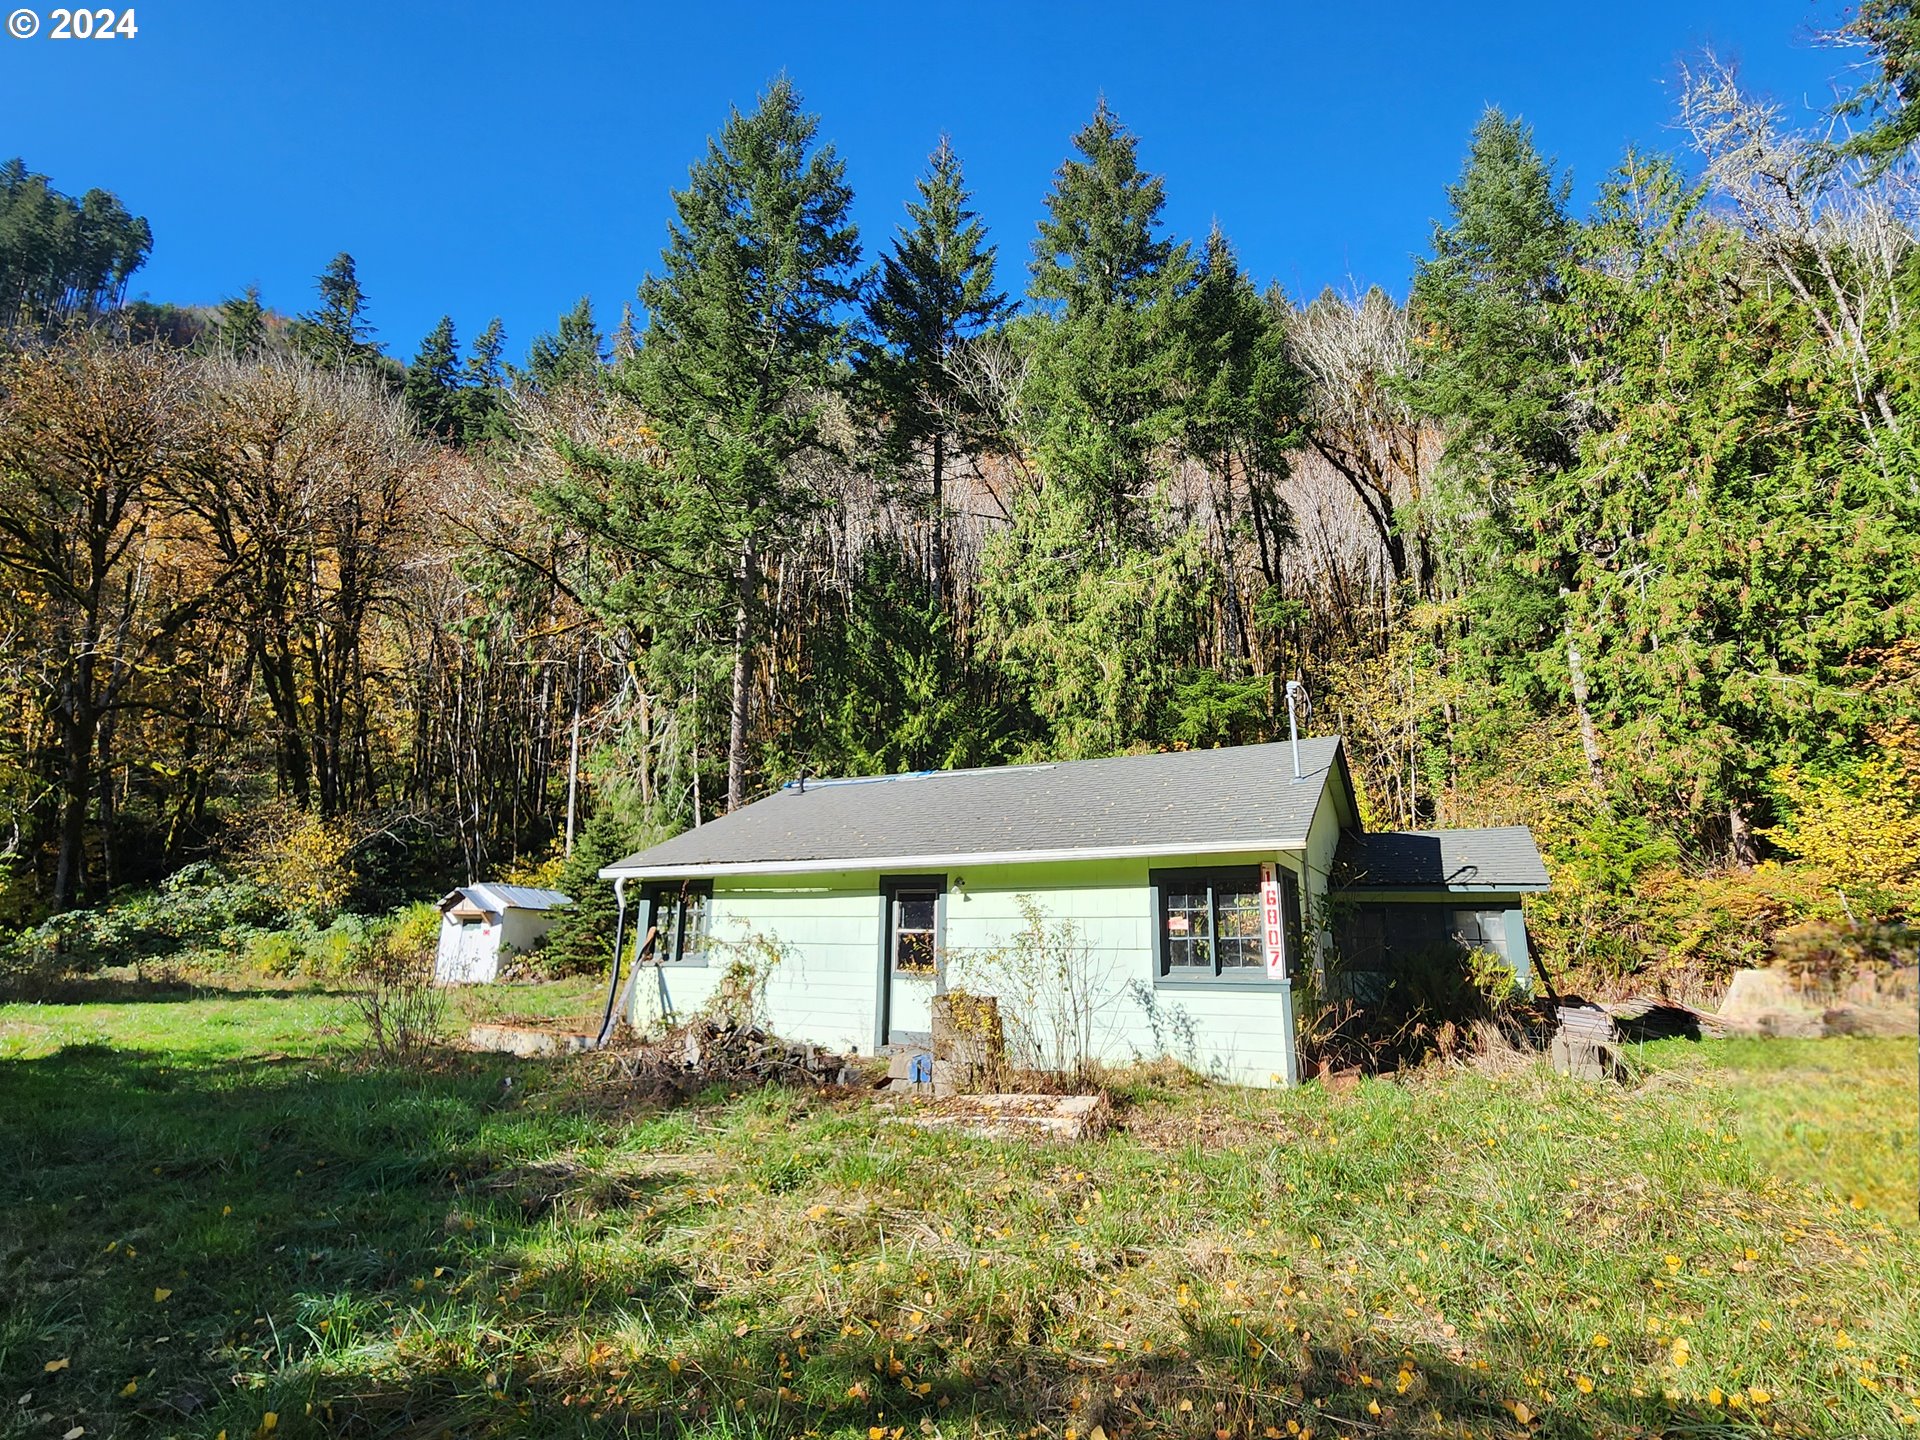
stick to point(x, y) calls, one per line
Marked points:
point(214, 1221)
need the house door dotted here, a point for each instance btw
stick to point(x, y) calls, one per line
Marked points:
point(912, 958)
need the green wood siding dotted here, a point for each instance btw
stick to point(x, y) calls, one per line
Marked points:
point(826, 988)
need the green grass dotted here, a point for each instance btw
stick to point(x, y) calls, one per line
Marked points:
point(211, 1202)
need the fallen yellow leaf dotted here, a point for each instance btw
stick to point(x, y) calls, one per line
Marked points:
point(160, 1294)
point(1521, 1412)
point(53, 1365)
point(1583, 1384)
point(131, 1387)
point(75, 1433)
point(1757, 1395)
point(269, 1420)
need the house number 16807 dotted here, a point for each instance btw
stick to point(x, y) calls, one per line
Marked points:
point(91, 25)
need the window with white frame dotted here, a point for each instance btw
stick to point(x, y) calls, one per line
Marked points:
point(1482, 930)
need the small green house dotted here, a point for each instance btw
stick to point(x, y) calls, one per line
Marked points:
point(1172, 900)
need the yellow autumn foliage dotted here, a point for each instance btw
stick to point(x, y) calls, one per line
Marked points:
point(1860, 828)
point(302, 863)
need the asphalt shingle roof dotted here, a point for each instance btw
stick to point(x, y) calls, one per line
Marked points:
point(1200, 801)
point(1496, 859)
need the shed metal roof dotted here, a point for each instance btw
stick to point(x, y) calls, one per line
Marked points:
point(497, 899)
point(1501, 858)
point(1189, 802)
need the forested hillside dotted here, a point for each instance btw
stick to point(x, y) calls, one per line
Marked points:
point(1612, 527)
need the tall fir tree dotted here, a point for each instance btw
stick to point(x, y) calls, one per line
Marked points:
point(1106, 353)
point(1495, 367)
point(747, 336)
point(336, 336)
point(1238, 417)
point(433, 382)
point(573, 353)
point(483, 395)
point(936, 292)
point(240, 325)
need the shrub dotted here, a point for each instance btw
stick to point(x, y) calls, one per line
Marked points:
point(301, 863)
point(402, 1011)
point(740, 996)
point(1859, 828)
point(1054, 991)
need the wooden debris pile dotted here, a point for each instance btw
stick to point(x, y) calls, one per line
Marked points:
point(702, 1053)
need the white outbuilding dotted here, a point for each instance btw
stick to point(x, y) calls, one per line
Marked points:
point(481, 923)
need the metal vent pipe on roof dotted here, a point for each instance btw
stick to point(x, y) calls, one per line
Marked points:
point(1294, 687)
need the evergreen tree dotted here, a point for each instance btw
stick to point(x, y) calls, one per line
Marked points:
point(1740, 563)
point(63, 259)
point(878, 695)
point(936, 292)
point(336, 336)
point(433, 382)
point(1496, 365)
point(483, 393)
point(240, 327)
point(1495, 368)
point(572, 354)
point(1890, 29)
point(1106, 353)
point(747, 335)
point(1242, 395)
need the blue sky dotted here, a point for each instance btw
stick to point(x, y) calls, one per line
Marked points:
point(489, 158)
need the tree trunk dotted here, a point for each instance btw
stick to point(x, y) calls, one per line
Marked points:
point(937, 539)
point(742, 672)
point(1589, 736)
point(1740, 847)
point(78, 722)
point(573, 750)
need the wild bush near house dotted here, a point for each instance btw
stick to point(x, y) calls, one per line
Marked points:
point(1055, 991)
point(401, 1010)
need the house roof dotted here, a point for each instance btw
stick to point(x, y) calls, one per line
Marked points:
point(1189, 802)
point(1503, 858)
point(496, 899)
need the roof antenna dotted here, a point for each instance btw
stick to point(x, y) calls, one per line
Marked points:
point(1295, 688)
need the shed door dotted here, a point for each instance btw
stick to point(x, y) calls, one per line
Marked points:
point(474, 938)
point(912, 958)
